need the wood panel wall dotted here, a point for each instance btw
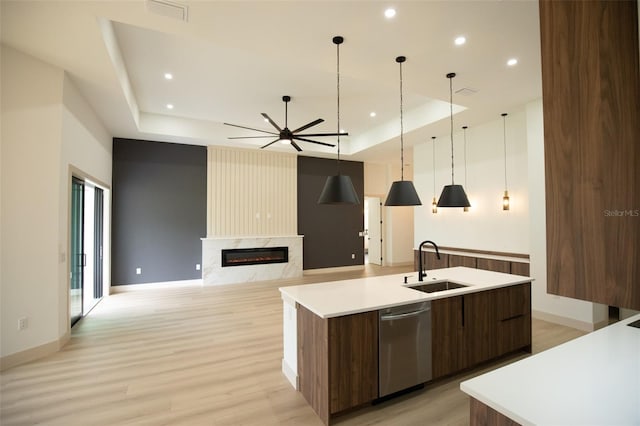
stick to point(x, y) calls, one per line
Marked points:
point(591, 92)
point(251, 193)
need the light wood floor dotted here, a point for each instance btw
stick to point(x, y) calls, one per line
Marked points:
point(209, 356)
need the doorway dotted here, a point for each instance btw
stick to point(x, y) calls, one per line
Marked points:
point(373, 230)
point(87, 247)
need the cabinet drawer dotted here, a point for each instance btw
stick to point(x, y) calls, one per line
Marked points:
point(514, 333)
point(513, 301)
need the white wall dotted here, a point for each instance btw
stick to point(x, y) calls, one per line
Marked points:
point(573, 312)
point(485, 226)
point(31, 128)
point(47, 127)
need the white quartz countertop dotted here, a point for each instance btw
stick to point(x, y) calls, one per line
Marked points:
point(592, 380)
point(338, 298)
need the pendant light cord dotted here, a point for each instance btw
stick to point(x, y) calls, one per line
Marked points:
point(338, 89)
point(433, 142)
point(504, 138)
point(401, 130)
point(451, 111)
point(464, 129)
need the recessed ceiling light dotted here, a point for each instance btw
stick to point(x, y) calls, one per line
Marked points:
point(343, 131)
point(460, 40)
point(169, 106)
point(390, 13)
point(511, 62)
point(168, 76)
point(372, 114)
point(266, 120)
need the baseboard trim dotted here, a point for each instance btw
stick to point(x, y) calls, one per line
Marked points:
point(166, 284)
point(330, 270)
point(32, 354)
point(568, 322)
point(291, 375)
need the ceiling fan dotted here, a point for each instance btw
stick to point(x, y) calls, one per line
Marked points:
point(284, 134)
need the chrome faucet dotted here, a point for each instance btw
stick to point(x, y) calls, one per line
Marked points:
point(421, 272)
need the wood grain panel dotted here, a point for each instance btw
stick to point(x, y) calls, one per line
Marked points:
point(313, 361)
point(483, 415)
point(480, 327)
point(468, 261)
point(591, 87)
point(520, 268)
point(353, 360)
point(494, 265)
point(251, 192)
point(447, 335)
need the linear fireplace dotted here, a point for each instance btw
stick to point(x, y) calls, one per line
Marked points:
point(254, 256)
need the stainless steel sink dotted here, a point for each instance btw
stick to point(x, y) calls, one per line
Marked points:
point(435, 287)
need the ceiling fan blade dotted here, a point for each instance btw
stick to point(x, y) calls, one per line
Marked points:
point(249, 137)
point(270, 143)
point(249, 128)
point(296, 146)
point(306, 126)
point(325, 134)
point(309, 140)
point(273, 123)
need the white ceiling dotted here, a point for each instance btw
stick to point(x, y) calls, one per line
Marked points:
point(233, 60)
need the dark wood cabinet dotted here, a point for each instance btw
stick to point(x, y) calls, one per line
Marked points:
point(590, 92)
point(494, 265)
point(446, 336)
point(457, 260)
point(470, 329)
point(353, 360)
point(337, 360)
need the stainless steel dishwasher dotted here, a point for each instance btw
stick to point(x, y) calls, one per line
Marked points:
point(404, 347)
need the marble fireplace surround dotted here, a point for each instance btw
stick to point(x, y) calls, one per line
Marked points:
point(214, 274)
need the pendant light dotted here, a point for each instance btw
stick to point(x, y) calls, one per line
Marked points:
point(434, 203)
point(505, 197)
point(452, 195)
point(464, 131)
point(338, 189)
point(402, 192)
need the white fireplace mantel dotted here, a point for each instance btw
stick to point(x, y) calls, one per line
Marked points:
point(214, 274)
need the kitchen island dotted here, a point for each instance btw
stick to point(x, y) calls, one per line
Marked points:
point(330, 330)
point(592, 380)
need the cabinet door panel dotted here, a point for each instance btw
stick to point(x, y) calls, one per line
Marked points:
point(513, 301)
point(353, 360)
point(514, 333)
point(446, 344)
point(480, 327)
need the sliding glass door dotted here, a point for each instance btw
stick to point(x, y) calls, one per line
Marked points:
point(87, 248)
point(77, 255)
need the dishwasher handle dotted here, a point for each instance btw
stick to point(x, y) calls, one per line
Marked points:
point(405, 315)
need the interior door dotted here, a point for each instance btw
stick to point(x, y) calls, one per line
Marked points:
point(78, 257)
point(375, 231)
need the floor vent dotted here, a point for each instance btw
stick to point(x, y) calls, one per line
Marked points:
point(170, 9)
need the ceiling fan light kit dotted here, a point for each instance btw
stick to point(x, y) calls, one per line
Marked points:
point(402, 192)
point(452, 195)
point(338, 189)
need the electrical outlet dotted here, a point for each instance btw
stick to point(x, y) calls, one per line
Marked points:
point(197, 266)
point(23, 323)
point(138, 271)
point(353, 255)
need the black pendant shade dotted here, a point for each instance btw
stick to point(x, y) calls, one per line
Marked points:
point(402, 193)
point(453, 196)
point(338, 189)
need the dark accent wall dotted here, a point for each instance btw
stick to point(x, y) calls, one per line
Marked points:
point(330, 231)
point(159, 211)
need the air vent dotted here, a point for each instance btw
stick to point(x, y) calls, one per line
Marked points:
point(466, 91)
point(169, 9)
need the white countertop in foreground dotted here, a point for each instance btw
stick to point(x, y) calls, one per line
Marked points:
point(347, 297)
point(592, 380)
